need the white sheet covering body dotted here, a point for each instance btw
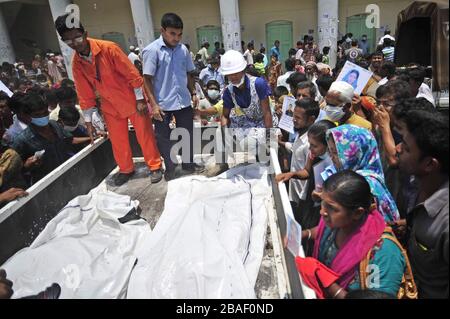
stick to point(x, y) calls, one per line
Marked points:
point(84, 249)
point(209, 241)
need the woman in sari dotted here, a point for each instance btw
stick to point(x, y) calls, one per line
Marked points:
point(350, 244)
point(356, 149)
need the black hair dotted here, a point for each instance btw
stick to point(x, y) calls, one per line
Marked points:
point(402, 108)
point(250, 45)
point(221, 51)
point(289, 64)
point(292, 52)
point(398, 88)
point(387, 42)
point(279, 91)
point(299, 43)
point(308, 85)
point(262, 50)
point(349, 189)
point(50, 97)
point(350, 35)
point(310, 106)
point(217, 44)
point(276, 41)
point(213, 82)
point(354, 42)
point(4, 97)
point(324, 82)
point(16, 102)
point(259, 58)
point(377, 53)
point(389, 67)
point(430, 132)
point(326, 50)
point(386, 32)
point(33, 102)
point(417, 74)
point(295, 78)
point(171, 20)
point(62, 26)
point(319, 130)
point(67, 82)
point(66, 93)
point(69, 115)
point(368, 294)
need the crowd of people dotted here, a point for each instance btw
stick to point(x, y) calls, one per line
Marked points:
point(384, 198)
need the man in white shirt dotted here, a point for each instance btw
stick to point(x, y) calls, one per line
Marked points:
point(290, 68)
point(305, 114)
point(248, 54)
point(204, 53)
point(387, 34)
point(133, 56)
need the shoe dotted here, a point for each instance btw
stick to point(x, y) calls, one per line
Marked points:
point(122, 178)
point(217, 170)
point(52, 292)
point(169, 175)
point(193, 168)
point(156, 176)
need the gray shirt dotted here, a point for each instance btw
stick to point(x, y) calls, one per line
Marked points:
point(428, 247)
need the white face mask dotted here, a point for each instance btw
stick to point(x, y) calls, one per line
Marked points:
point(324, 156)
point(334, 113)
point(213, 94)
point(240, 83)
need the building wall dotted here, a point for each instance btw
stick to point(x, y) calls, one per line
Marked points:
point(195, 14)
point(35, 23)
point(256, 14)
point(389, 9)
point(103, 16)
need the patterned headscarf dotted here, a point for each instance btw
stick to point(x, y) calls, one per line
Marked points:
point(358, 151)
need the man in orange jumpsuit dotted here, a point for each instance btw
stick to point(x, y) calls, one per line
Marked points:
point(101, 67)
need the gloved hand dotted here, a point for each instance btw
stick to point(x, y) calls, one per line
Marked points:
point(315, 274)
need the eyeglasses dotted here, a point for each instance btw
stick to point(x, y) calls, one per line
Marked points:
point(77, 40)
point(386, 103)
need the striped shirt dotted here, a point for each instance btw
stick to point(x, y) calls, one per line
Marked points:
point(389, 53)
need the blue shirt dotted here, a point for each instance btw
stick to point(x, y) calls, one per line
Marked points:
point(57, 152)
point(243, 97)
point(276, 51)
point(364, 46)
point(208, 74)
point(169, 68)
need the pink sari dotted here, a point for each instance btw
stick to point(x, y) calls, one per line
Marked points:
point(355, 247)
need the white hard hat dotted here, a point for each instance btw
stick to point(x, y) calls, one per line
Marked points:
point(232, 62)
point(132, 48)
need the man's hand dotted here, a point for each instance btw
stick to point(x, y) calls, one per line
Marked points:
point(141, 107)
point(12, 194)
point(32, 162)
point(5, 286)
point(284, 177)
point(316, 195)
point(381, 117)
point(91, 131)
point(195, 101)
point(158, 113)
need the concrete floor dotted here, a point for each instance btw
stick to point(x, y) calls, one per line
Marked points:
point(152, 197)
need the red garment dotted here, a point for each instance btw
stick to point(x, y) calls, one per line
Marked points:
point(112, 76)
point(315, 275)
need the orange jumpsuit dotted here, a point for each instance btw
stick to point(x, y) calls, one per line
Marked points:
point(113, 77)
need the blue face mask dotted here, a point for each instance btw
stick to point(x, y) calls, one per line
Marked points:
point(40, 121)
